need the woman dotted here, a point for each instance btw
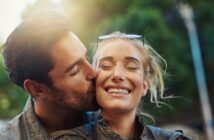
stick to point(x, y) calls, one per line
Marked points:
point(127, 69)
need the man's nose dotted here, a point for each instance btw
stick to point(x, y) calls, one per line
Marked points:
point(118, 74)
point(91, 73)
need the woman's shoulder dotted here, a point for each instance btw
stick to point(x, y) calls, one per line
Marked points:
point(165, 134)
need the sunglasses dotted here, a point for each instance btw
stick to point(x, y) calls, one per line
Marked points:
point(118, 35)
point(122, 36)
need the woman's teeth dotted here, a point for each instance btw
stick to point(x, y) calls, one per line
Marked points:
point(117, 91)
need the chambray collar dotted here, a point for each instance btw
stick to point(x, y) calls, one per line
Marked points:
point(34, 129)
point(141, 128)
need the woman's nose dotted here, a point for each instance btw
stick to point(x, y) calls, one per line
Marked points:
point(118, 74)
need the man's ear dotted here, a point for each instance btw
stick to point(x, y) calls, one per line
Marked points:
point(145, 88)
point(33, 88)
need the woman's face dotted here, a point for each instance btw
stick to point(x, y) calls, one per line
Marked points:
point(120, 83)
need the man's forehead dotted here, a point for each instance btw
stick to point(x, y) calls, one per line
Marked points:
point(77, 42)
point(71, 41)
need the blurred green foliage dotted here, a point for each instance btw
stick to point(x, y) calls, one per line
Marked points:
point(161, 25)
point(12, 98)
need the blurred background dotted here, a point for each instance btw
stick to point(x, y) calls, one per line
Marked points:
point(162, 26)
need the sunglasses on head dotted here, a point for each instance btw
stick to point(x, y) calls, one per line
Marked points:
point(122, 36)
point(119, 35)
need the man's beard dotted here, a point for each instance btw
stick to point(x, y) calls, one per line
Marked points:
point(77, 102)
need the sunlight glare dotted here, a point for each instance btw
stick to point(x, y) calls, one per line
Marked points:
point(10, 13)
point(56, 1)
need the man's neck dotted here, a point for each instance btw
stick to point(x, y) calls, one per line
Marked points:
point(54, 118)
point(123, 124)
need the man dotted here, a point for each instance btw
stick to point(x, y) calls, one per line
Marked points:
point(44, 57)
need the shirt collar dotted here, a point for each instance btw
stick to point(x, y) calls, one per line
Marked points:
point(34, 128)
point(140, 130)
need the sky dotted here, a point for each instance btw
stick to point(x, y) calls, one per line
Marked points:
point(10, 14)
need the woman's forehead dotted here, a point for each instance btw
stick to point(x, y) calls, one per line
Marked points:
point(118, 49)
point(117, 46)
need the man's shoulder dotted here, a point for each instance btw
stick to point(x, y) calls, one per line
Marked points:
point(166, 134)
point(11, 130)
point(4, 130)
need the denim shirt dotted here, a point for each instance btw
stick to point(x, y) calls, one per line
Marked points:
point(25, 126)
point(100, 130)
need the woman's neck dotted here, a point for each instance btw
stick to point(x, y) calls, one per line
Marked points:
point(122, 124)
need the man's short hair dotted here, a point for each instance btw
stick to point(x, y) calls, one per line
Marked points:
point(26, 52)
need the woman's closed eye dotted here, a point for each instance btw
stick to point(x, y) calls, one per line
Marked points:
point(132, 66)
point(105, 65)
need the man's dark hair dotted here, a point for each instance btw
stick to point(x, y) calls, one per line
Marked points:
point(26, 52)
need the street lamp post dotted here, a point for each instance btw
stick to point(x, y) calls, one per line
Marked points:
point(187, 14)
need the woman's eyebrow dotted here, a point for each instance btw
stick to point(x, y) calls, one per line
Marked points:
point(109, 58)
point(132, 59)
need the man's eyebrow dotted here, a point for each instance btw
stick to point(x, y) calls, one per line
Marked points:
point(72, 65)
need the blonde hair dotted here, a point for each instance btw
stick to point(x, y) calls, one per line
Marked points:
point(152, 63)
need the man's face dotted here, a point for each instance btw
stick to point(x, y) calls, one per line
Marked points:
point(72, 76)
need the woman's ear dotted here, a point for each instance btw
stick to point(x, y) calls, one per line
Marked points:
point(33, 88)
point(145, 88)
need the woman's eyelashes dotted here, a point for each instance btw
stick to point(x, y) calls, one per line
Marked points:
point(105, 65)
point(132, 66)
point(108, 65)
